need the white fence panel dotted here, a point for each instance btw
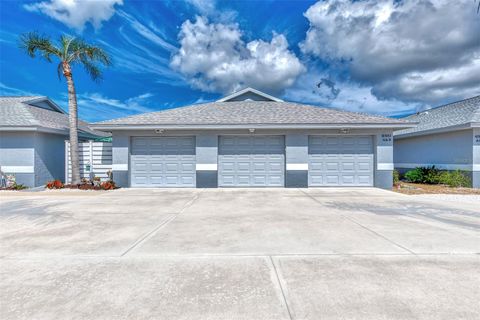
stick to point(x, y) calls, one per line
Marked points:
point(95, 160)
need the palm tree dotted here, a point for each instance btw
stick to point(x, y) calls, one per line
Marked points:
point(69, 52)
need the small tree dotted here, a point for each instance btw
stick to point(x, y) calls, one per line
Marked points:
point(69, 52)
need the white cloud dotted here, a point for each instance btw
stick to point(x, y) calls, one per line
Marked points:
point(412, 50)
point(205, 7)
point(147, 32)
point(346, 95)
point(6, 90)
point(76, 13)
point(96, 106)
point(134, 104)
point(214, 58)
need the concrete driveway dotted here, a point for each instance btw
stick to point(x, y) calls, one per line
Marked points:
point(238, 254)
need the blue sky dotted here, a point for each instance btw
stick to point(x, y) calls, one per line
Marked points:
point(382, 57)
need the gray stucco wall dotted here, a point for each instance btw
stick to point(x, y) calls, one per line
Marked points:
point(34, 158)
point(476, 158)
point(455, 150)
point(296, 158)
point(383, 166)
point(206, 151)
point(17, 156)
point(49, 158)
point(450, 148)
point(296, 153)
point(121, 158)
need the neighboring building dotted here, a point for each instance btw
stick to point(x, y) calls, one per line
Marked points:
point(33, 131)
point(251, 139)
point(447, 137)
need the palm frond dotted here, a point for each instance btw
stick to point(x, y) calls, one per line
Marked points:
point(93, 70)
point(80, 52)
point(32, 43)
point(66, 40)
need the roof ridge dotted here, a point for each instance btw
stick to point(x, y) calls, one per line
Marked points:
point(449, 104)
point(157, 111)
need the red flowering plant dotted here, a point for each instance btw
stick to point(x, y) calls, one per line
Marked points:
point(108, 185)
point(55, 184)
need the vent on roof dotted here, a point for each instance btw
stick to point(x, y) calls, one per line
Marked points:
point(43, 105)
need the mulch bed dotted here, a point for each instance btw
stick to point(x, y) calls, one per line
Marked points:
point(418, 188)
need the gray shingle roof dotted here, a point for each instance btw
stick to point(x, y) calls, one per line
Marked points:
point(450, 115)
point(249, 112)
point(17, 112)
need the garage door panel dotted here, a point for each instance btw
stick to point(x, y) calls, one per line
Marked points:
point(163, 162)
point(340, 161)
point(364, 180)
point(347, 166)
point(257, 161)
point(332, 166)
point(348, 179)
point(332, 179)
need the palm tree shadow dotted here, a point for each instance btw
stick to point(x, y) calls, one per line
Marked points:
point(414, 210)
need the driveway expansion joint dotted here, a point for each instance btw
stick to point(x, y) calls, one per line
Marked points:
point(282, 290)
point(162, 224)
point(365, 227)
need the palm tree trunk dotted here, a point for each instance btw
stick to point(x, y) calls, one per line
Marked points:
point(73, 123)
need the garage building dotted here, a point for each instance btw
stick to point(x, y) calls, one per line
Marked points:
point(252, 139)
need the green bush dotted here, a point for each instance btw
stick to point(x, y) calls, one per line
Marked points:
point(396, 177)
point(414, 175)
point(429, 175)
point(454, 179)
point(432, 175)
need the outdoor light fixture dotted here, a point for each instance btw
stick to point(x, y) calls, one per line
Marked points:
point(344, 130)
point(159, 130)
point(251, 130)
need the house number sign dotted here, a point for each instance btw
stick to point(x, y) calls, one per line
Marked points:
point(386, 137)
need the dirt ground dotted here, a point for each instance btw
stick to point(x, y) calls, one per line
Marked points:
point(418, 188)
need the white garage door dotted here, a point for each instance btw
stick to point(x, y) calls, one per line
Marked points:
point(251, 161)
point(340, 161)
point(163, 162)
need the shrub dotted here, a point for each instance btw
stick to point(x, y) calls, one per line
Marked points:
point(396, 177)
point(55, 184)
point(414, 175)
point(454, 179)
point(17, 186)
point(429, 175)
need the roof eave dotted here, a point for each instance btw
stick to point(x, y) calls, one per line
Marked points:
point(65, 132)
point(396, 126)
point(464, 126)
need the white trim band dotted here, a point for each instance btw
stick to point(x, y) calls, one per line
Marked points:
point(206, 167)
point(120, 167)
point(297, 166)
point(441, 166)
point(384, 166)
point(17, 169)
